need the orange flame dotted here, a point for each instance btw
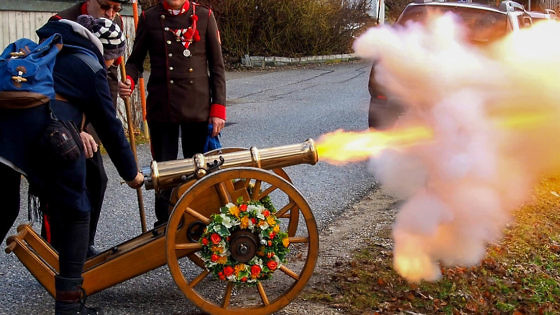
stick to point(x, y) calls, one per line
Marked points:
point(340, 147)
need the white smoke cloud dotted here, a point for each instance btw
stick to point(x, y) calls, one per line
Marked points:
point(494, 114)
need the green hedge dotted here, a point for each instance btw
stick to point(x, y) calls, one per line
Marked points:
point(288, 28)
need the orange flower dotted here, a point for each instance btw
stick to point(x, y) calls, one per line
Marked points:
point(244, 223)
point(276, 228)
point(239, 268)
point(234, 211)
point(285, 242)
point(217, 249)
point(270, 220)
point(222, 260)
point(261, 251)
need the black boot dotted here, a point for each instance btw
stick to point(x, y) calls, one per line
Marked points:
point(70, 297)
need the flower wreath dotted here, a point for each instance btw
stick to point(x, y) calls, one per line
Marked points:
point(249, 216)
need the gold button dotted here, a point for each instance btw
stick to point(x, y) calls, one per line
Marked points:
point(191, 69)
point(162, 17)
point(170, 68)
point(170, 55)
point(171, 81)
point(168, 42)
point(166, 28)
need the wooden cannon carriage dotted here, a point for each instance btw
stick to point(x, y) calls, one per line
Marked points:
point(202, 185)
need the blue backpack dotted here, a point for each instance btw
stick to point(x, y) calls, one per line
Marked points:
point(26, 72)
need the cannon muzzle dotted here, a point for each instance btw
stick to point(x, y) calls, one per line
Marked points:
point(161, 175)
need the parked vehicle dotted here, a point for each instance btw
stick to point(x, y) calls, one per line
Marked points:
point(484, 24)
point(542, 16)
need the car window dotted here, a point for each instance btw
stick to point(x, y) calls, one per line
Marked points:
point(482, 26)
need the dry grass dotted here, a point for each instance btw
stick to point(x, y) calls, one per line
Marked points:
point(521, 275)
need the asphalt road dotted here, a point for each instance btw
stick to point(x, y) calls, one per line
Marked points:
point(264, 109)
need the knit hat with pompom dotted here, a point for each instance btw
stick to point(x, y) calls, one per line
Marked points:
point(109, 33)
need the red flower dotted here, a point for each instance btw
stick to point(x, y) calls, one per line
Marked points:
point(243, 279)
point(271, 235)
point(243, 207)
point(222, 277)
point(254, 220)
point(266, 213)
point(271, 264)
point(215, 238)
point(269, 254)
point(228, 271)
point(255, 270)
point(205, 241)
point(269, 243)
point(214, 258)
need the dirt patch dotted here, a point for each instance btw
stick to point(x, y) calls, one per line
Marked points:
point(364, 221)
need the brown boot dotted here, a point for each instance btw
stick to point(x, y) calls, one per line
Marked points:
point(70, 297)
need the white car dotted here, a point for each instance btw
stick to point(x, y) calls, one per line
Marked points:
point(484, 25)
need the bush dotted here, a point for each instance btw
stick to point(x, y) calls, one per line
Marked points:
point(289, 28)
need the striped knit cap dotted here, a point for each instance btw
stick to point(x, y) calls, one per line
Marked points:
point(109, 33)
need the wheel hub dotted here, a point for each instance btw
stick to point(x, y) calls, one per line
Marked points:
point(243, 246)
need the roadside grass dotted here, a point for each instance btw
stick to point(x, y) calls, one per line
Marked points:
point(520, 275)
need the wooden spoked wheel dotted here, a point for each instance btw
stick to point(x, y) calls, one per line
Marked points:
point(203, 199)
point(180, 190)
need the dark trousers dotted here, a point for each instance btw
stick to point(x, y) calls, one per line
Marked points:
point(9, 196)
point(70, 238)
point(70, 228)
point(164, 139)
point(96, 182)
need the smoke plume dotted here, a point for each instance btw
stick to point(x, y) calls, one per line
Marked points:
point(494, 112)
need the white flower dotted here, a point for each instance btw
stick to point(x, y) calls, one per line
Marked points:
point(226, 221)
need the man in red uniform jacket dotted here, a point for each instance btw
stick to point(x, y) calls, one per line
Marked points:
point(187, 86)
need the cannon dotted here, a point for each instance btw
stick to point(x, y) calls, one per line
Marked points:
point(203, 185)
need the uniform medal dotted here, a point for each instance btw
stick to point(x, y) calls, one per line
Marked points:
point(188, 35)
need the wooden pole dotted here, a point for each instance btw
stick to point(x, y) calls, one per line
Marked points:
point(141, 79)
point(133, 146)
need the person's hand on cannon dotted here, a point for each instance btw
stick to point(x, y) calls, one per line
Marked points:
point(125, 89)
point(137, 181)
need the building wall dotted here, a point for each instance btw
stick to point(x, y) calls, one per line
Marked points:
point(550, 4)
point(22, 22)
point(18, 24)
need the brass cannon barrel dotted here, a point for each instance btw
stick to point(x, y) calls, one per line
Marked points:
point(161, 175)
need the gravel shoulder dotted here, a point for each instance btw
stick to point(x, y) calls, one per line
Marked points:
point(363, 222)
